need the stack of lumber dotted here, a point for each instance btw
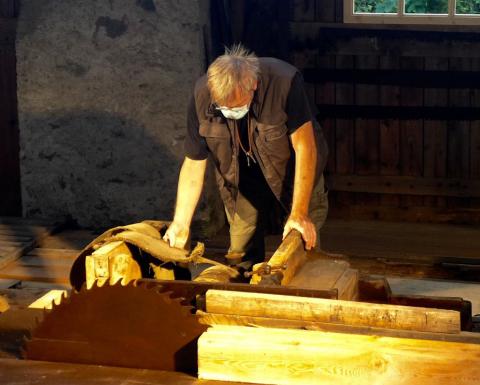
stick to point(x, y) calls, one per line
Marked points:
point(299, 340)
point(41, 265)
point(19, 235)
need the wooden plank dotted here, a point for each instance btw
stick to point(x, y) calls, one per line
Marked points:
point(389, 132)
point(14, 244)
point(407, 214)
point(325, 94)
point(344, 132)
point(347, 285)
point(319, 273)
point(55, 274)
point(394, 112)
point(43, 262)
point(362, 40)
point(435, 133)
point(367, 133)
point(335, 311)
point(284, 263)
point(475, 135)
point(14, 238)
point(283, 356)
point(411, 132)
point(411, 78)
point(416, 242)
point(214, 319)
point(8, 283)
point(303, 10)
point(458, 164)
point(45, 285)
point(326, 274)
point(22, 227)
point(53, 253)
point(405, 185)
point(325, 11)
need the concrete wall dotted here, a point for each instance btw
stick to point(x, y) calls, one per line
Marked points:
point(103, 87)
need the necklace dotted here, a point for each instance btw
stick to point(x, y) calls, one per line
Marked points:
point(249, 153)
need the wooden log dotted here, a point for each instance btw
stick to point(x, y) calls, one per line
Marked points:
point(334, 311)
point(285, 262)
point(280, 356)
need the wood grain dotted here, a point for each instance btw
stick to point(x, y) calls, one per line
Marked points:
point(280, 356)
point(334, 311)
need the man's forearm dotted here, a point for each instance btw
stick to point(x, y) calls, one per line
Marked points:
point(305, 164)
point(190, 184)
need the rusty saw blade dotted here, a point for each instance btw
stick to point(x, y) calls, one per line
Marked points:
point(136, 326)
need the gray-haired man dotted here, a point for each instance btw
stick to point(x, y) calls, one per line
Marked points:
point(253, 117)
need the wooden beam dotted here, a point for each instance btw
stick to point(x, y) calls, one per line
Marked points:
point(396, 112)
point(334, 311)
point(362, 40)
point(410, 78)
point(215, 319)
point(411, 185)
point(280, 356)
point(407, 214)
point(284, 263)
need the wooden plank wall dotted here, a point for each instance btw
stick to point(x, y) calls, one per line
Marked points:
point(10, 201)
point(401, 112)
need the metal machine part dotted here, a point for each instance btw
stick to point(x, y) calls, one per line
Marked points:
point(137, 326)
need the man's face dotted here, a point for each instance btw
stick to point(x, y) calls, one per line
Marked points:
point(238, 105)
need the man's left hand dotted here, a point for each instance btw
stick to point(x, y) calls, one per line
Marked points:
point(305, 226)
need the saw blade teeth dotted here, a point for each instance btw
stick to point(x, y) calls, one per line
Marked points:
point(188, 310)
point(63, 327)
point(24, 348)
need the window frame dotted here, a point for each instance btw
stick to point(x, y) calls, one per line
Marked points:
point(403, 18)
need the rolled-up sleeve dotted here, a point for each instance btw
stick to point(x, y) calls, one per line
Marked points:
point(195, 146)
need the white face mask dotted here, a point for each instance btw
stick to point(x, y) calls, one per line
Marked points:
point(234, 113)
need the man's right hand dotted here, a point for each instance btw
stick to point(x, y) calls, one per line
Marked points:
point(177, 235)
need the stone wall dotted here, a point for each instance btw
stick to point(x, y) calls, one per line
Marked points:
point(103, 87)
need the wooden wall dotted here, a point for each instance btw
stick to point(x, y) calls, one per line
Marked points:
point(10, 200)
point(401, 111)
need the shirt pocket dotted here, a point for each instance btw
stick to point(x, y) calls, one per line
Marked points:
point(271, 132)
point(214, 130)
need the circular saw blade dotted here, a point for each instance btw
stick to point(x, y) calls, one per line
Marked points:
point(128, 326)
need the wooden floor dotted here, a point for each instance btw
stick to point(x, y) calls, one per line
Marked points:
point(21, 372)
point(401, 240)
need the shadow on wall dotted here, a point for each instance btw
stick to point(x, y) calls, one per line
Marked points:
point(98, 168)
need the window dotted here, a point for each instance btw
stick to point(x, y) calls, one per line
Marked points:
point(412, 11)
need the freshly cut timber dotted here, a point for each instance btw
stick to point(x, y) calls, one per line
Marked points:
point(305, 357)
point(136, 326)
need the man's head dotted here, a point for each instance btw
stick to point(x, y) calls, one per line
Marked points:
point(232, 79)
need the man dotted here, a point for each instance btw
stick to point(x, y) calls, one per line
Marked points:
point(252, 116)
